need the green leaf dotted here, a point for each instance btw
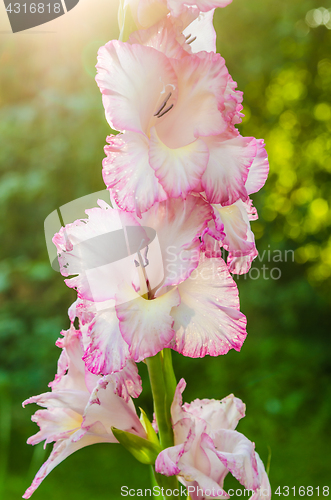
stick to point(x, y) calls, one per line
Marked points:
point(143, 450)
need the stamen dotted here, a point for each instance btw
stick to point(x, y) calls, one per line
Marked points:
point(163, 105)
point(166, 111)
point(142, 266)
point(190, 41)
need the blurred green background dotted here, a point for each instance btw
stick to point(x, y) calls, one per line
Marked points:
point(52, 133)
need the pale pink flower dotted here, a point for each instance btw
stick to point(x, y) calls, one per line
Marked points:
point(146, 13)
point(231, 224)
point(192, 32)
point(192, 306)
point(177, 117)
point(207, 447)
point(82, 407)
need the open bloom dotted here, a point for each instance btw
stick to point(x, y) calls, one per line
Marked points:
point(192, 28)
point(177, 118)
point(207, 447)
point(168, 294)
point(82, 407)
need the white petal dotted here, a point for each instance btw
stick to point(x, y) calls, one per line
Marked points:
point(203, 29)
point(146, 325)
point(226, 173)
point(128, 174)
point(107, 351)
point(237, 454)
point(133, 79)
point(202, 80)
point(224, 414)
point(106, 410)
point(208, 320)
point(178, 225)
point(61, 450)
point(163, 37)
point(259, 170)
point(178, 170)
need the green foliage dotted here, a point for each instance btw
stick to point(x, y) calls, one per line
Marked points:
point(284, 69)
point(52, 133)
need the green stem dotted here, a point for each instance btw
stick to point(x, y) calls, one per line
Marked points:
point(163, 383)
point(161, 405)
point(167, 483)
point(169, 375)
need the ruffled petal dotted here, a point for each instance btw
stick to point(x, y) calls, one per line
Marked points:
point(259, 170)
point(146, 325)
point(106, 409)
point(167, 461)
point(202, 80)
point(71, 370)
point(237, 454)
point(107, 352)
point(224, 414)
point(130, 103)
point(127, 382)
point(242, 264)
point(163, 37)
point(202, 32)
point(177, 412)
point(198, 479)
point(55, 424)
point(226, 173)
point(233, 106)
point(178, 170)
point(96, 250)
point(128, 174)
point(264, 490)
point(198, 466)
point(80, 309)
point(238, 239)
point(73, 399)
point(179, 224)
point(208, 320)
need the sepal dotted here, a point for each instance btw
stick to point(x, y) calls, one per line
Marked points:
point(151, 434)
point(143, 450)
point(126, 22)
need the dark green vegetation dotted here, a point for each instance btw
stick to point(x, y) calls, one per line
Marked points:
point(52, 132)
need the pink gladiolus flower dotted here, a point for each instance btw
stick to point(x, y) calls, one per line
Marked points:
point(146, 12)
point(177, 118)
point(82, 407)
point(207, 447)
point(133, 314)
